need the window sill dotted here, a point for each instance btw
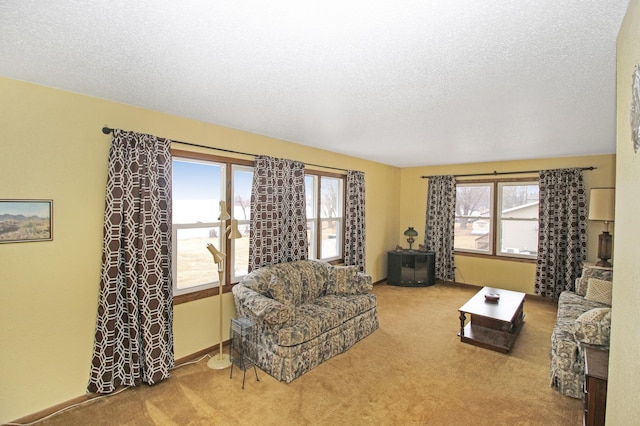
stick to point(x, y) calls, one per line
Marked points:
point(494, 257)
point(202, 294)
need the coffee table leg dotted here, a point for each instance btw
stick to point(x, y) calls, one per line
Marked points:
point(462, 320)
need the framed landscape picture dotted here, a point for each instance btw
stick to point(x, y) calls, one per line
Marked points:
point(26, 220)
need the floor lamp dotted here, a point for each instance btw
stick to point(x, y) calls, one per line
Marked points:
point(220, 361)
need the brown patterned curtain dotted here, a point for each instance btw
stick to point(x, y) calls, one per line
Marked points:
point(562, 232)
point(354, 233)
point(440, 226)
point(134, 339)
point(278, 213)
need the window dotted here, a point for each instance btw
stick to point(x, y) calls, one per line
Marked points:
point(474, 217)
point(513, 232)
point(199, 183)
point(325, 215)
point(518, 221)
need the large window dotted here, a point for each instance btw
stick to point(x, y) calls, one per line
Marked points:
point(199, 183)
point(512, 232)
point(325, 215)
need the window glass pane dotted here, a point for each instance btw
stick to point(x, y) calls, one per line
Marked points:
point(330, 197)
point(331, 239)
point(195, 266)
point(311, 238)
point(241, 210)
point(240, 248)
point(473, 217)
point(518, 219)
point(242, 181)
point(196, 190)
point(310, 183)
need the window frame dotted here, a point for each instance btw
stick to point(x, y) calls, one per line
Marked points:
point(496, 227)
point(229, 163)
point(317, 220)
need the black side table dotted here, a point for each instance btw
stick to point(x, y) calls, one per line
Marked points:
point(243, 349)
point(411, 268)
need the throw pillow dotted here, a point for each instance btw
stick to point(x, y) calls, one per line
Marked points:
point(279, 291)
point(587, 274)
point(599, 291)
point(343, 281)
point(593, 327)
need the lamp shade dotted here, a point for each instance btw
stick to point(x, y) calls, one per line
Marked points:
point(235, 233)
point(411, 232)
point(217, 256)
point(602, 202)
point(224, 214)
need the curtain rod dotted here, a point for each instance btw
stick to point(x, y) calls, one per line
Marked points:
point(106, 130)
point(504, 173)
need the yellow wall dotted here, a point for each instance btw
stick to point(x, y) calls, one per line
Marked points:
point(511, 275)
point(52, 147)
point(624, 374)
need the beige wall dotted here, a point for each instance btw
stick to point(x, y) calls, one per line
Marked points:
point(624, 373)
point(52, 147)
point(511, 275)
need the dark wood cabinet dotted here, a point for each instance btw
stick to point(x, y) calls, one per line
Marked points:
point(596, 366)
point(411, 268)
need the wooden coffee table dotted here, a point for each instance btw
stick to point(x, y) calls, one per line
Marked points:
point(493, 325)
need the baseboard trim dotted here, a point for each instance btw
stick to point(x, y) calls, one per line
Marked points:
point(42, 414)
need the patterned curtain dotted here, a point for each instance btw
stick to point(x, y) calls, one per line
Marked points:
point(278, 213)
point(562, 234)
point(134, 339)
point(354, 235)
point(440, 226)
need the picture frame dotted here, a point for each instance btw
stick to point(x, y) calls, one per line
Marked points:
point(24, 221)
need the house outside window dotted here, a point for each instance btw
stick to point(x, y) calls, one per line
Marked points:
point(513, 232)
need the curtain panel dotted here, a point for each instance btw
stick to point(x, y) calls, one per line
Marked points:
point(278, 213)
point(354, 235)
point(440, 224)
point(562, 234)
point(134, 338)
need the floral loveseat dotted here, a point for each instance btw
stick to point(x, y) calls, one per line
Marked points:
point(305, 312)
point(584, 318)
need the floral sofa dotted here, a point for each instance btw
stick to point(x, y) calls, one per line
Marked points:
point(584, 318)
point(305, 312)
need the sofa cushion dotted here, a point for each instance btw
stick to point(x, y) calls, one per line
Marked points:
point(280, 290)
point(309, 322)
point(582, 283)
point(344, 281)
point(347, 306)
point(593, 327)
point(599, 291)
point(314, 275)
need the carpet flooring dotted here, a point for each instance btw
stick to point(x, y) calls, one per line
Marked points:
point(412, 371)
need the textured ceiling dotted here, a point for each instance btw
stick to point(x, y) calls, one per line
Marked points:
point(406, 83)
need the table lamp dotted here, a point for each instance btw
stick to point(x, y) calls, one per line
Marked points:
point(601, 208)
point(411, 233)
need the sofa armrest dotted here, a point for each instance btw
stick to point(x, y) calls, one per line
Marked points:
point(256, 305)
point(364, 283)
